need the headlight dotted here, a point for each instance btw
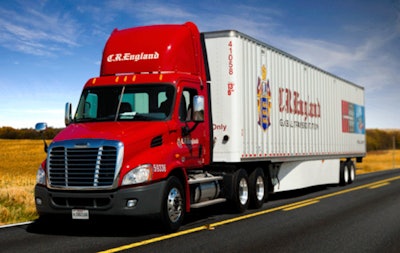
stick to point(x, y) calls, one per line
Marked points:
point(138, 175)
point(41, 176)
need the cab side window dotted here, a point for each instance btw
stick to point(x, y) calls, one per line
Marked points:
point(186, 107)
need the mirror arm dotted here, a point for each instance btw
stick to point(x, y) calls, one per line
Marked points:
point(46, 147)
point(186, 130)
point(41, 127)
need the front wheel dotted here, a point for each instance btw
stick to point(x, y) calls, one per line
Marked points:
point(173, 205)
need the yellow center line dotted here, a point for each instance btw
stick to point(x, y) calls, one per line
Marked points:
point(155, 239)
point(301, 205)
point(378, 185)
point(251, 215)
point(357, 188)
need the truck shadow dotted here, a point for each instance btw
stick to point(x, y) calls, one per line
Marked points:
point(135, 227)
point(96, 227)
point(219, 212)
point(299, 193)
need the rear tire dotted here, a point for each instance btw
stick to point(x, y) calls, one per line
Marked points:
point(352, 171)
point(173, 205)
point(344, 174)
point(257, 188)
point(240, 191)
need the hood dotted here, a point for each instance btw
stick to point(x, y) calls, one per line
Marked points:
point(120, 131)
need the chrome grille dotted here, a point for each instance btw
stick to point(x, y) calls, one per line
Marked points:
point(87, 166)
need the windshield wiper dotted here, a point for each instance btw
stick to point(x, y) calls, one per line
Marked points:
point(83, 120)
point(119, 103)
point(134, 116)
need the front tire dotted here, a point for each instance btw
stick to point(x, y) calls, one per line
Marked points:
point(173, 205)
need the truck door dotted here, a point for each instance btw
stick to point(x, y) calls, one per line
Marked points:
point(192, 137)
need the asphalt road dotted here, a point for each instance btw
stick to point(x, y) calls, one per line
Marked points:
point(361, 217)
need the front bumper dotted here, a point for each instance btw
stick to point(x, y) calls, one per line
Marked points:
point(55, 202)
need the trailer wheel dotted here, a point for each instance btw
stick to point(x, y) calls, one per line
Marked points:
point(352, 171)
point(257, 188)
point(344, 174)
point(173, 205)
point(240, 191)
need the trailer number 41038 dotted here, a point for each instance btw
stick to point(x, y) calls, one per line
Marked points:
point(230, 58)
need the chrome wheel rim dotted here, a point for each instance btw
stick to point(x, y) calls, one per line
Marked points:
point(259, 188)
point(174, 204)
point(352, 173)
point(243, 191)
point(346, 174)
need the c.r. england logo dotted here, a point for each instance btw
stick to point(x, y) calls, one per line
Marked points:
point(263, 100)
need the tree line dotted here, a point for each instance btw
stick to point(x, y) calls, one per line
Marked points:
point(27, 133)
point(377, 139)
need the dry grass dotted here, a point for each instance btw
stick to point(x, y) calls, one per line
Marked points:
point(19, 160)
point(379, 160)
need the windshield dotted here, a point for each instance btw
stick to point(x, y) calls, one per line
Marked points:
point(125, 103)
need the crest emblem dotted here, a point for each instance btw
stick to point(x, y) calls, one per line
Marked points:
point(263, 100)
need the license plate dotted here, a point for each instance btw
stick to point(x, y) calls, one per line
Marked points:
point(80, 214)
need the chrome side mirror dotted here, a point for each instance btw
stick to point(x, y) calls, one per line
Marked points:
point(68, 114)
point(41, 127)
point(198, 108)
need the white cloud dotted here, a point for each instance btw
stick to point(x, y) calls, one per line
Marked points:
point(33, 32)
point(151, 12)
point(370, 63)
point(27, 118)
point(31, 111)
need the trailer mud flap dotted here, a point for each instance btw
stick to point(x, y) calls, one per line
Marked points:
point(228, 186)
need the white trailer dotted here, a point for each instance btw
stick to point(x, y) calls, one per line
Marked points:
point(304, 123)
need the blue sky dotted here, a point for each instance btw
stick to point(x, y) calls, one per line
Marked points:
point(48, 49)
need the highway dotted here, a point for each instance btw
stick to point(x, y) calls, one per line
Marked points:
point(361, 217)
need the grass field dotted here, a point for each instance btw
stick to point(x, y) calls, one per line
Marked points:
point(19, 160)
point(379, 160)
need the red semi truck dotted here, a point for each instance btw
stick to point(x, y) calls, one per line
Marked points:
point(179, 120)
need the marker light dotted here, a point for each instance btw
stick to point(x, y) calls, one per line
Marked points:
point(41, 176)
